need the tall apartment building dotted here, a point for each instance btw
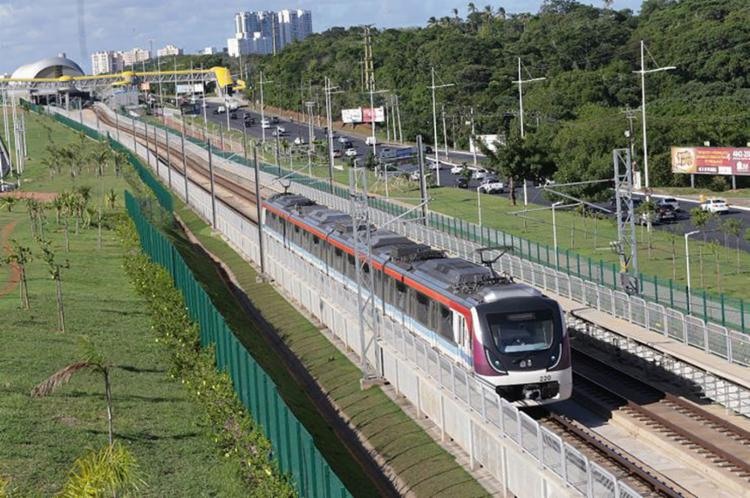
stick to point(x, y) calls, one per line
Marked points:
point(134, 56)
point(266, 32)
point(169, 50)
point(106, 61)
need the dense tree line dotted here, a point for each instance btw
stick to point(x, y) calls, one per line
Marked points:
point(588, 56)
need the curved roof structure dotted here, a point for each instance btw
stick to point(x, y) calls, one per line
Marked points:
point(51, 67)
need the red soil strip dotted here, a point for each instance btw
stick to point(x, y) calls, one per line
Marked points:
point(39, 196)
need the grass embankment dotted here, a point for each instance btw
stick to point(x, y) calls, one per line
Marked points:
point(427, 469)
point(153, 415)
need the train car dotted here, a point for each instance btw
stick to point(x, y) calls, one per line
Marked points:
point(506, 333)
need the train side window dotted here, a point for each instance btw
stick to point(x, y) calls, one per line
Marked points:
point(400, 295)
point(445, 323)
point(422, 308)
point(316, 240)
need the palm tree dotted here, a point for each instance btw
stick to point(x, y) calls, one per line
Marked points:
point(112, 470)
point(57, 204)
point(19, 256)
point(9, 202)
point(111, 198)
point(91, 360)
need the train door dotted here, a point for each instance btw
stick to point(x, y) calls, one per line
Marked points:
point(462, 338)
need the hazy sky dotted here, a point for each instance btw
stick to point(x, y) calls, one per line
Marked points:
point(33, 29)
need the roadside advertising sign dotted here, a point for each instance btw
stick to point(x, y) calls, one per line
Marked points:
point(711, 160)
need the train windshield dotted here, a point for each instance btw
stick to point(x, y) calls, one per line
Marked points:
point(521, 332)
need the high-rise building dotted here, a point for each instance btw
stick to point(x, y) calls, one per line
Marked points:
point(169, 50)
point(267, 32)
point(106, 61)
point(134, 56)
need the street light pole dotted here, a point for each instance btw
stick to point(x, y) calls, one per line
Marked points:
point(479, 206)
point(687, 265)
point(554, 233)
point(520, 83)
point(473, 137)
point(643, 73)
point(434, 125)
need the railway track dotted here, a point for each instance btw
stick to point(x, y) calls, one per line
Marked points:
point(198, 173)
point(641, 477)
point(703, 437)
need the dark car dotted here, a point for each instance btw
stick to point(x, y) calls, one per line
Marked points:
point(462, 183)
point(233, 115)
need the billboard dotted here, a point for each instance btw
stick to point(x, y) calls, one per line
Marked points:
point(362, 115)
point(368, 114)
point(711, 160)
point(488, 140)
point(351, 116)
point(187, 88)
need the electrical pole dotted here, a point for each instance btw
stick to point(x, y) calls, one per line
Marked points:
point(520, 83)
point(184, 162)
point(422, 179)
point(262, 108)
point(434, 124)
point(643, 73)
point(211, 179)
point(473, 137)
point(329, 123)
point(310, 135)
point(445, 132)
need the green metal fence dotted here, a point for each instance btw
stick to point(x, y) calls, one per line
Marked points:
point(293, 446)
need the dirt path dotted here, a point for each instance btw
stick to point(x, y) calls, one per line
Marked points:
point(39, 196)
point(15, 274)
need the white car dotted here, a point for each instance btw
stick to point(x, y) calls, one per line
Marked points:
point(370, 140)
point(265, 124)
point(299, 141)
point(343, 140)
point(479, 174)
point(491, 187)
point(716, 206)
point(669, 201)
point(351, 152)
point(457, 170)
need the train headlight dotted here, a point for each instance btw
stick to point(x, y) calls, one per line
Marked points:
point(494, 362)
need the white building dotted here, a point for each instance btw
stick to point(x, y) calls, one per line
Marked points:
point(209, 51)
point(266, 32)
point(134, 56)
point(106, 61)
point(168, 51)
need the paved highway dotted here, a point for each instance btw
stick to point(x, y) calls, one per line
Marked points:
point(535, 195)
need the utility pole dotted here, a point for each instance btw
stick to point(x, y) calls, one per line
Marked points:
point(445, 132)
point(520, 83)
point(434, 124)
point(262, 108)
point(213, 192)
point(422, 179)
point(329, 124)
point(643, 73)
point(184, 162)
point(398, 117)
point(473, 137)
point(310, 136)
point(258, 211)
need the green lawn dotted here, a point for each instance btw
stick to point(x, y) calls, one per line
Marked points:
point(153, 415)
point(422, 464)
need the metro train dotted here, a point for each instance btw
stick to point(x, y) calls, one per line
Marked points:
point(508, 334)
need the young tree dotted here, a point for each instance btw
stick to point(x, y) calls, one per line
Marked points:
point(58, 205)
point(90, 360)
point(110, 198)
point(8, 203)
point(715, 248)
point(646, 213)
point(700, 220)
point(19, 256)
point(55, 272)
point(733, 227)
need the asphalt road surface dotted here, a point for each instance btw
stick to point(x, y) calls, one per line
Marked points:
point(535, 194)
